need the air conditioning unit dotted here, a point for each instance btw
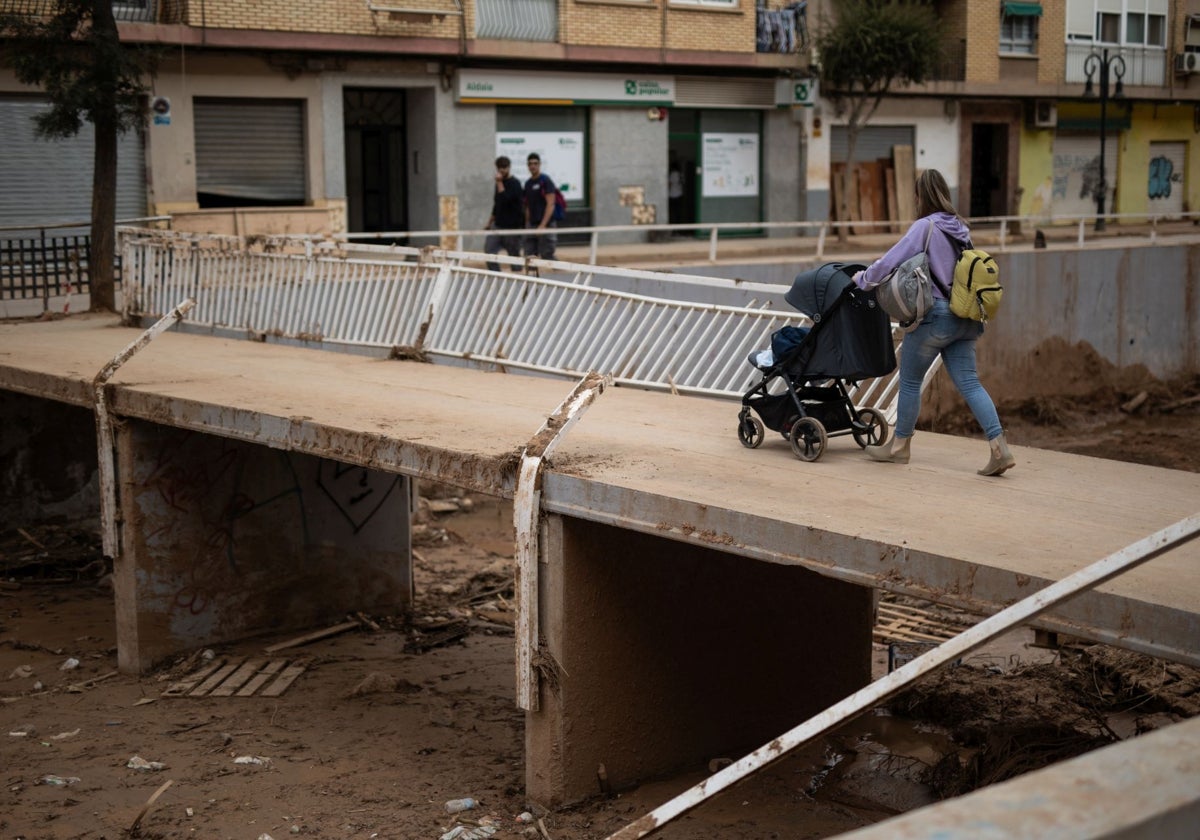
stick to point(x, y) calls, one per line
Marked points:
point(1045, 114)
point(1187, 63)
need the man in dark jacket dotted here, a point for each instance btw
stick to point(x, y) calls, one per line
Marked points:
point(539, 210)
point(508, 214)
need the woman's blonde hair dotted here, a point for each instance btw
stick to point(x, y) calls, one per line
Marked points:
point(933, 194)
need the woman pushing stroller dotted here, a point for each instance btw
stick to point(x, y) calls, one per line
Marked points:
point(941, 332)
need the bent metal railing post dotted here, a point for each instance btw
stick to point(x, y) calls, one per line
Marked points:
point(526, 520)
point(104, 437)
point(888, 687)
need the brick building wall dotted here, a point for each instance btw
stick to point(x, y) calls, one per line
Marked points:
point(339, 17)
point(690, 28)
point(582, 22)
point(983, 42)
point(599, 23)
point(1051, 43)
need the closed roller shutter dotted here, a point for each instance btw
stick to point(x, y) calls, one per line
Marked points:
point(707, 92)
point(249, 151)
point(1166, 178)
point(50, 181)
point(1076, 167)
point(874, 142)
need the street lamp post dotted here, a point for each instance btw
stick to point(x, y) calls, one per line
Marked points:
point(1106, 66)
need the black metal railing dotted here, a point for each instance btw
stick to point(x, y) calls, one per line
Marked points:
point(43, 265)
point(143, 11)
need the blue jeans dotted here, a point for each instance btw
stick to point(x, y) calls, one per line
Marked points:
point(942, 332)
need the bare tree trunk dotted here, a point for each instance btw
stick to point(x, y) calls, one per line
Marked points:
point(102, 264)
point(847, 180)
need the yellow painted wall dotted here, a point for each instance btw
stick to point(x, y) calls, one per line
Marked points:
point(1036, 171)
point(1153, 124)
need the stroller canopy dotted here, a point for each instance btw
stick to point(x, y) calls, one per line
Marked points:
point(851, 336)
point(815, 290)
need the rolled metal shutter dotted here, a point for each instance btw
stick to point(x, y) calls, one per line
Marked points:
point(709, 92)
point(50, 181)
point(874, 142)
point(1076, 165)
point(250, 150)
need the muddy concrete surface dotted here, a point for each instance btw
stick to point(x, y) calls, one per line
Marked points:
point(397, 715)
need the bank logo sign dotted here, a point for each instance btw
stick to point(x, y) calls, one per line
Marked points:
point(483, 86)
point(647, 89)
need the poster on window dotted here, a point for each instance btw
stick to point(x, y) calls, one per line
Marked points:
point(730, 163)
point(561, 153)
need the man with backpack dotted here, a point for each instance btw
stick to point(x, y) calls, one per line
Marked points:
point(541, 201)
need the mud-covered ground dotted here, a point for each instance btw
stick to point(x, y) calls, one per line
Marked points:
point(391, 719)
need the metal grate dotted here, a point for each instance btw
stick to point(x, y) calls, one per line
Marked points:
point(44, 266)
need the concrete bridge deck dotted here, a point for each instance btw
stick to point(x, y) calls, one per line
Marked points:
point(649, 481)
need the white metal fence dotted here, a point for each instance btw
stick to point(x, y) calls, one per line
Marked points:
point(438, 304)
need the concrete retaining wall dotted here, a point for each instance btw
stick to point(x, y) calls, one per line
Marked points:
point(1135, 305)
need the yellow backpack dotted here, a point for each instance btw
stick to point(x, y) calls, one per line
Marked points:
point(976, 291)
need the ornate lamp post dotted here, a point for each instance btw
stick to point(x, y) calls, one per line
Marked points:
point(1107, 66)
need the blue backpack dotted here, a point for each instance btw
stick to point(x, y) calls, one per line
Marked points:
point(560, 203)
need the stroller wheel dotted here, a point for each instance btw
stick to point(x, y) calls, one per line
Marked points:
point(750, 432)
point(808, 438)
point(870, 427)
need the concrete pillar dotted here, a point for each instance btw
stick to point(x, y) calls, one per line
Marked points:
point(660, 655)
point(223, 539)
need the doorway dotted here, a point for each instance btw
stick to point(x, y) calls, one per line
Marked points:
point(376, 152)
point(714, 168)
point(989, 169)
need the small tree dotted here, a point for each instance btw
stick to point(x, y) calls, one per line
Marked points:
point(72, 50)
point(872, 46)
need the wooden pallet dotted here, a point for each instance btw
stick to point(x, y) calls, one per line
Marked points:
point(238, 677)
point(907, 623)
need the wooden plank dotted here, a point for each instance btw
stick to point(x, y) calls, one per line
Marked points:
point(271, 669)
point(835, 191)
point(906, 183)
point(873, 199)
point(238, 679)
point(313, 636)
point(178, 689)
point(216, 679)
point(285, 679)
point(889, 187)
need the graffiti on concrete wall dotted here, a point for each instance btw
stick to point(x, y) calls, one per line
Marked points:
point(223, 509)
point(357, 492)
point(218, 485)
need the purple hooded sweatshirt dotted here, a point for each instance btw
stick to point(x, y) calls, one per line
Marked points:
point(943, 253)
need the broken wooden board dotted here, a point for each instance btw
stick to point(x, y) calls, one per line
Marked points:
point(907, 623)
point(238, 677)
point(906, 183)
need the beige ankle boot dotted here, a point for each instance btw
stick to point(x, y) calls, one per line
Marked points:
point(897, 453)
point(1001, 458)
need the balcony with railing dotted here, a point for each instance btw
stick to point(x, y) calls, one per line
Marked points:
point(1144, 66)
point(517, 20)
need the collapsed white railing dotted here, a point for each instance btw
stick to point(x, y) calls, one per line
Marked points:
point(435, 303)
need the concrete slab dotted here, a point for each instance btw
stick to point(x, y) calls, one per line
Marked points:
point(672, 466)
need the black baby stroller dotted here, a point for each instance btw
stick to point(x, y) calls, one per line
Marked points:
point(803, 392)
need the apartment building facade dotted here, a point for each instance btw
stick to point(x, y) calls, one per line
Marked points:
point(1014, 124)
point(389, 117)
